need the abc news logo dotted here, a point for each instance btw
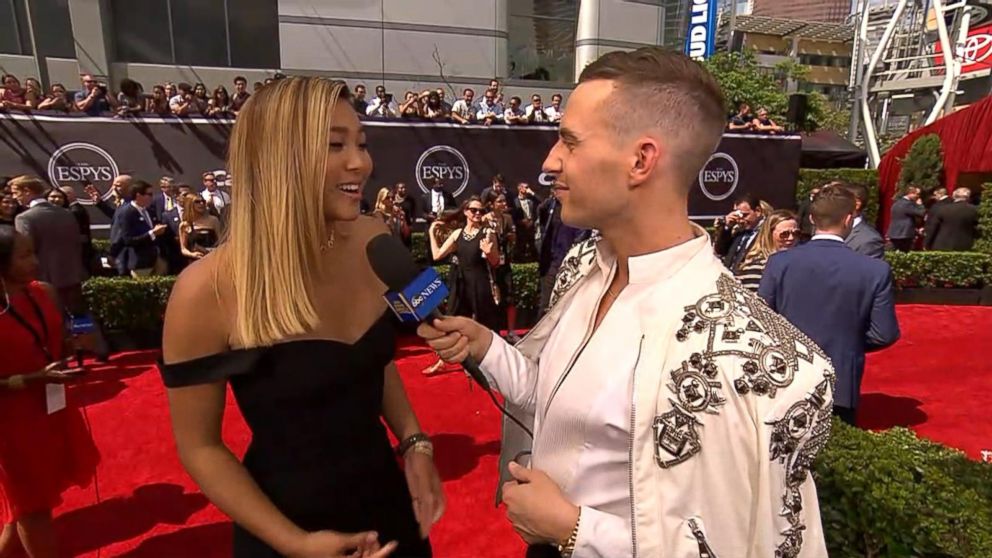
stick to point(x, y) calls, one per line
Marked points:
point(426, 293)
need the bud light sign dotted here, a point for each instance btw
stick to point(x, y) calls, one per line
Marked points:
point(418, 299)
point(700, 37)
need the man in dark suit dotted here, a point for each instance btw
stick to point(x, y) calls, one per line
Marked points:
point(953, 226)
point(496, 188)
point(864, 239)
point(735, 234)
point(906, 210)
point(119, 195)
point(437, 201)
point(134, 234)
point(165, 198)
point(556, 239)
point(523, 209)
point(55, 234)
point(937, 199)
point(841, 299)
point(85, 233)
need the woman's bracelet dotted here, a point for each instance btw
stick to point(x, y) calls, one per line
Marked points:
point(418, 441)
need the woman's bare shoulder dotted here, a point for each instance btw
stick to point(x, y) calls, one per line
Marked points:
point(196, 323)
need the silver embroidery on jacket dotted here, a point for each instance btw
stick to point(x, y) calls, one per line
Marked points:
point(675, 437)
point(738, 323)
point(796, 439)
point(575, 265)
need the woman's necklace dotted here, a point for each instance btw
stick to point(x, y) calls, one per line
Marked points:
point(470, 235)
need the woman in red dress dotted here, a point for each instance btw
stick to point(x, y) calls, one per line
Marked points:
point(42, 453)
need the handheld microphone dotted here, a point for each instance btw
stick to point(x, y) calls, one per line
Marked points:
point(412, 294)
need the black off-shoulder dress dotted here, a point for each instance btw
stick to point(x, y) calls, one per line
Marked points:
point(319, 450)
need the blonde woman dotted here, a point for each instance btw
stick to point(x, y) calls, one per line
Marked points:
point(780, 231)
point(289, 312)
point(199, 231)
point(391, 215)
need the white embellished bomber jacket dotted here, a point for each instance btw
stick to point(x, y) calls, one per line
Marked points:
point(731, 403)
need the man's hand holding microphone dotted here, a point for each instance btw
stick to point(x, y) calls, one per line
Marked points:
point(455, 338)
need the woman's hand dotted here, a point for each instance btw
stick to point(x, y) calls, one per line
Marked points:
point(57, 373)
point(329, 544)
point(486, 244)
point(425, 489)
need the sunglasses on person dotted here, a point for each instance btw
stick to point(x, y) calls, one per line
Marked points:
point(786, 235)
point(477, 210)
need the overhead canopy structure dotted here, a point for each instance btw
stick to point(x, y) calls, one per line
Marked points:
point(812, 30)
point(827, 150)
point(966, 140)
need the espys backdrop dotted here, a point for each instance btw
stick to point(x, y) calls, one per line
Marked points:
point(69, 150)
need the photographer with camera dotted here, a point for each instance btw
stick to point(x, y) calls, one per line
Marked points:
point(94, 99)
point(737, 231)
point(383, 106)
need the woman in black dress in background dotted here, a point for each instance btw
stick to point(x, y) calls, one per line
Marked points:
point(289, 312)
point(200, 230)
point(475, 246)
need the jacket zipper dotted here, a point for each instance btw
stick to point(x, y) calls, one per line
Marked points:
point(590, 330)
point(630, 458)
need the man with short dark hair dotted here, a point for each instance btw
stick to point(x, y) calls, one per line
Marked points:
point(841, 299)
point(135, 234)
point(953, 226)
point(437, 200)
point(513, 113)
point(383, 106)
point(496, 187)
point(742, 120)
point(535, 111)
point(523, 209)
point(241, 94)
point(907, 210)
point(183, 104)
point(673, 414)
point(490, 111)
point(361, 105)
point(463, 111)
point(735, 234)
point(864, 239)
point(554, 111)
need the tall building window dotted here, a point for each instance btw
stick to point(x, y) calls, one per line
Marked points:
point(52, 28)
point(222, 33)
point(542, 39)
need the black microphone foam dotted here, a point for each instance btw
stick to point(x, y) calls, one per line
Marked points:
point(394, 265)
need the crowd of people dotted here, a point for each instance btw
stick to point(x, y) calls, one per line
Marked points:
point(945, 223)
point(743, 121)
point(96, 98)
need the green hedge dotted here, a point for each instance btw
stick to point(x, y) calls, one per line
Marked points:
point(984, 242)
point(940, 269)
point(892, 494)
point(814, 178)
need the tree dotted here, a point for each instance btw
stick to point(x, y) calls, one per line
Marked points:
point(923, 166)
point(743, 80)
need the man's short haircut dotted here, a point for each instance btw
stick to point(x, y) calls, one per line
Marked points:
point(30, 183)
point(241, 79)
point(140, 187)
point(497, 178)
point(184, 87)
point(467, 89)
point(664, 90)
point(517, 99)
point(209, 174)
point(751, 199)
point(860, 192)
point(556, 95)
point(831, 206)
point(962, 194)
point(940, 192)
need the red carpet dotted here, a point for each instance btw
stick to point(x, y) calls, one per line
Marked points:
point(932, 380)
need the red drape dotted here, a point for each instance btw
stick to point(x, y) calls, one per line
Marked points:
point(966, 137)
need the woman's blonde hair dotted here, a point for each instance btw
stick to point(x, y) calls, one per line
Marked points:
point(764, 245)
point(276, 229)
point(188, 203)
point(380, 201)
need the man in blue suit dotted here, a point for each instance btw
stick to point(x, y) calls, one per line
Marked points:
point(841, 299)
point(134, 235)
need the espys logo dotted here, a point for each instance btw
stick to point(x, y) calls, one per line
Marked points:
point(80, 162)
point(426, 293)
point(719, 177)
point(445, 163)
